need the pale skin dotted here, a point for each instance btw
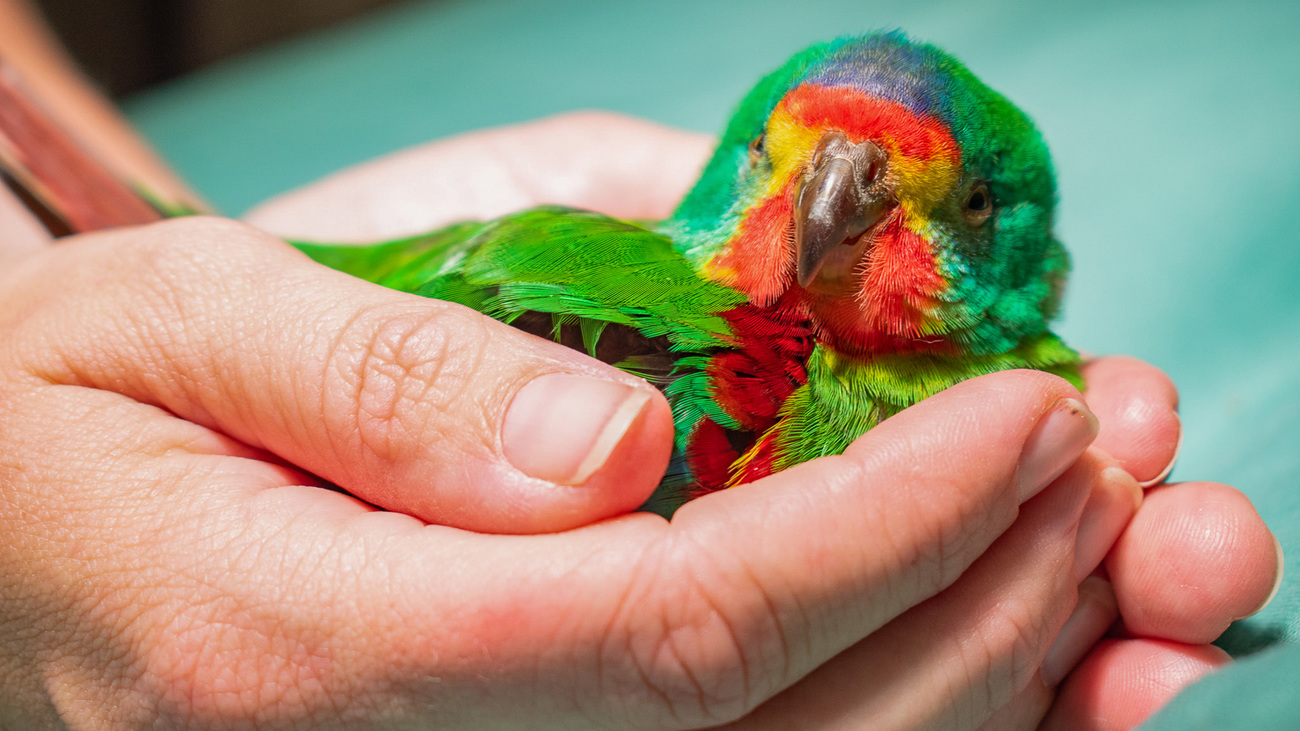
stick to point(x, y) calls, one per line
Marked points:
point(171, 563)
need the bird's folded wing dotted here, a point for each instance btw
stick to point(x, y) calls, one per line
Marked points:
point(589, 270)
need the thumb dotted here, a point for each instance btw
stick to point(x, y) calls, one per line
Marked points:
point(414, 405)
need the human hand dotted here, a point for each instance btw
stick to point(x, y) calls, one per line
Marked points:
point(1195, 558)
point(243, 586)
point(162, 571)
point(1223, 556)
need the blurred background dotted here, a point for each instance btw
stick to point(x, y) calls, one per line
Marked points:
point(129, 45)
point(1173, 127)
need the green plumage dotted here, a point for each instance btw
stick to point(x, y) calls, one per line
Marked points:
point(845, 397)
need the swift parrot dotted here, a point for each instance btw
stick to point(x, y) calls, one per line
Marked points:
point(874, 226)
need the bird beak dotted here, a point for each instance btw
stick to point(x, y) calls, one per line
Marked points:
point(841, 195)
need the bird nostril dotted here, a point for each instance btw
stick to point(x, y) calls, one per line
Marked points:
point(873, 172)
point(872, 161)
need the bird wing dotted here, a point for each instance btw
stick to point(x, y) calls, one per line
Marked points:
point(582, 278)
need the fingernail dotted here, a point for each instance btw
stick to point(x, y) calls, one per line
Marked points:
point(562, 427)
point(1178, 448)
point(1277, 581)
point(1056, 441)
point(1092, 616)
point(1115, 498)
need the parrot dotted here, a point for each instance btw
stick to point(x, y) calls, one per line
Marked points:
point(874, 226)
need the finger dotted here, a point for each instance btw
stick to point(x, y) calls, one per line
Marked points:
point(1123, 682)
point(981, 458)
point(683, 624)
point(19, 229)
point(1111, 506)
point(963, 654)
point(1195, 558)
point(747, 590)
point(606, 162)
point(1093, 615)
point(411, 404)
point(1137, 406)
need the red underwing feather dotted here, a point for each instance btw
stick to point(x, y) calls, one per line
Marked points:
point(709, 457)
point(750, 383)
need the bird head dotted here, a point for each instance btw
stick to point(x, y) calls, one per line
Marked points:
point(877, 183)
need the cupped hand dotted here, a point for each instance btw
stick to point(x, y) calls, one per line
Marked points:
point(168, 563)
point(1196, 558)
point(163, 568)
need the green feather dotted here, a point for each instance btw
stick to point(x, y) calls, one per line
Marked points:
point(587, 266)
point(579, 267)
point(404, 264)
point(845, 397)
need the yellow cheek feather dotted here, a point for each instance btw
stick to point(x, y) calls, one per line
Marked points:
point(789, 148)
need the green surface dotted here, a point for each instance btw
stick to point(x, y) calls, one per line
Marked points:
point(1174, 127)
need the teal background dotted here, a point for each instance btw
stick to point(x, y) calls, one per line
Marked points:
point(1174, 128)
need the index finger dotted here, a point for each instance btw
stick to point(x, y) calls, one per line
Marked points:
point(693, 623)
point(621, 166)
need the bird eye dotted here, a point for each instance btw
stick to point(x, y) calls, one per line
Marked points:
point(756, 148)
point(979, 205)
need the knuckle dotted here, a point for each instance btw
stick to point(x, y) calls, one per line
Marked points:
point(195, 254)
point(1008, 651)
point(205, 230)
point(695, 654)
point(136, 289)
point(938, 541)
point(165, 269)
point(184, 241)
point(403, 372)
